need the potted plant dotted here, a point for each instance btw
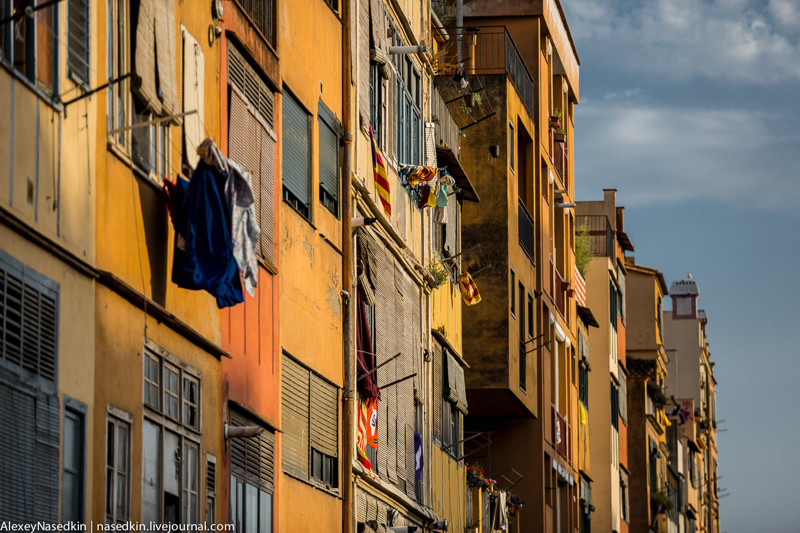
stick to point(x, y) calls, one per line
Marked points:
point(560, 135)
point(472, 526)
point(661, 503)
point(555, 119)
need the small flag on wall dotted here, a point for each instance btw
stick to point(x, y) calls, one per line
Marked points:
point(381, 181)
point(469, 291)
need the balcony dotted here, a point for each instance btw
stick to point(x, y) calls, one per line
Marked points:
point(560, 433)
point(525, 230)
point(601, 236)
point(561, 162)
point(262, 14)
point(488, 50)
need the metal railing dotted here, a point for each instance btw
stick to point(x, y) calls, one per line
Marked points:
point(601, 236)
point(526, 235)
point(447, 131)
point(561, 161)
point(489, 50)
point(262, 13)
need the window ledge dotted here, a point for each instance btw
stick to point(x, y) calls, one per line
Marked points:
point(301, 215)
point(315, 484)
point(47, 99)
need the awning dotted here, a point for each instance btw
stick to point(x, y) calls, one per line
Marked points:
point(587, 316)
point(446, 158)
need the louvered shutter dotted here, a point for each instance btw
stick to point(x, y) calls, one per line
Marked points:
point(253, 458)
point(324, 416)
point(410, 469)
point(362, 53)
point(17, 418)
point(166, 56)
point(391, 116)
point(400, 327)
point(244, 76)
point(438, 393)
point(78, 43)
point(456, 391)
point(329, 159)
point(295, 407)
point(28, 319)
point(623, 395)
point(266, 205)
point(296, 151)
point(211, 476)
point(144, 56)
point(45, 465)
point(621, 280)
point(451, 228)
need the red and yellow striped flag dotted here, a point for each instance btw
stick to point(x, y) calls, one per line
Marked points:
point(469, 291)
point(381, 181)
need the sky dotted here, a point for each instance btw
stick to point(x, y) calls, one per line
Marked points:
point(691, 110)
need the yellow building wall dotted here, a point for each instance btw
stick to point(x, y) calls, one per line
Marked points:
point(446, 314)
point(449, 484)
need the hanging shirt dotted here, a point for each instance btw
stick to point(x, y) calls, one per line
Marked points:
point(244, 225)
point(203, 245)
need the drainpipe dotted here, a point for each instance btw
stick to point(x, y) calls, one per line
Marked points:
point(348, 297)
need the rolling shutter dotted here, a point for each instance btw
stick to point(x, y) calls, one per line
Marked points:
point(155, 58)
point(430, 145)
point(45, 465)
point(296, 151)
point(266, 205)
point(252, 458)
point(362, 59)
point(329, 129)
point(324, 416)
point(256, 91)
point(455, 391)
point(294, 405)
point(78, 40)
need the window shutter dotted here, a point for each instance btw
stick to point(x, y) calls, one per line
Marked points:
point(144, 52)
point(45, 465)
point(166, 56)
point(430, 145)
point(253, 458)
point(211, 476)
point(78, 43)
point(266, 205)
point(455, 390)
point(621, 280)
point(255, 89)
point(438, 393)
point(193, 100)
point(296, 150)
point(623, 395)
point(410, 462)
point(294, 405)
point(324, 416)
point(391, 112)
point(363, 59)
point(329, 159)
point(17, 418)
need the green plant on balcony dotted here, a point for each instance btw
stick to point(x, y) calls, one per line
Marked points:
point(438, 273)
point(435, 119)
point(662, 501)
point(462, 133)
point(560, 135)
point(583, 249)
point(656, 394)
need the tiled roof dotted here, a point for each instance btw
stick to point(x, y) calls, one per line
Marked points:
point(684, 286)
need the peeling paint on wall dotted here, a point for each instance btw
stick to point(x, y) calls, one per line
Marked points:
point(333, 296)
point(309, 250)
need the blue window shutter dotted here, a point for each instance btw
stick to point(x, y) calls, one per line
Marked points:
point(329, 129)
point(296, 155)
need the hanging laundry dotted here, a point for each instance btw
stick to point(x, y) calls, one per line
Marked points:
point(244, 224)
point(469, 291)
point(204, 258)
point(372, 422)
point(441, 198)
point(432, 197)
point(361, 435)
point(424, 194)
point(419, 460)
point(416, 175)
point(440, 215)
point(368, 384)
point(381, 181)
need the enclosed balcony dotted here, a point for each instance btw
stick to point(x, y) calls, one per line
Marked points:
point(601, 235)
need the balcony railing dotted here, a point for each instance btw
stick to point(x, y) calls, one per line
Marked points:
point(561, 161)
point(490, 50)
point(526, 230)
point(601, 236)
point(447, 131)
point(262, 13)
point(561, 433)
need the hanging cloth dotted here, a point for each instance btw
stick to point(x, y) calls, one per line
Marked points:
point(361, 434)
point(424, 195)
point(244, 224)
point(469, 291)
point(381, 181)
point(368, 386)
point(416, 175)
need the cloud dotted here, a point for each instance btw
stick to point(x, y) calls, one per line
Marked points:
point(728, 40)
point(665, 155)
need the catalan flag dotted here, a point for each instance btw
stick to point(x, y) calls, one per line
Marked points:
point(381, 181)
point(469, 291)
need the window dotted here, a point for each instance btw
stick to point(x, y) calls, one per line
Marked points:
point(583, 383)
point(262, 14)
point(623, 497)
point(450, 395)
point(310, 408)
point(511, 154)
point(296, 155)
point(252, 478)
point(170, 488)
point(118, 57)
point(252, 141)
point(29, 323)
point(659, 312)
point(623, 394)
point(31, 44)
point(513, 293)
point(376, 101)
point(73, 480)
point(78, 42)
point(211, 491)
point(334, 4)
point(329, 133)
point(614, 405)
point(521, 312)
point(530, 316)
point(118, 442)
point(409, 121)
point(150, 145)
point(613, 301)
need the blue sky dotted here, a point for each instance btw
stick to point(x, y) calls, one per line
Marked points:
point(691, 109)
